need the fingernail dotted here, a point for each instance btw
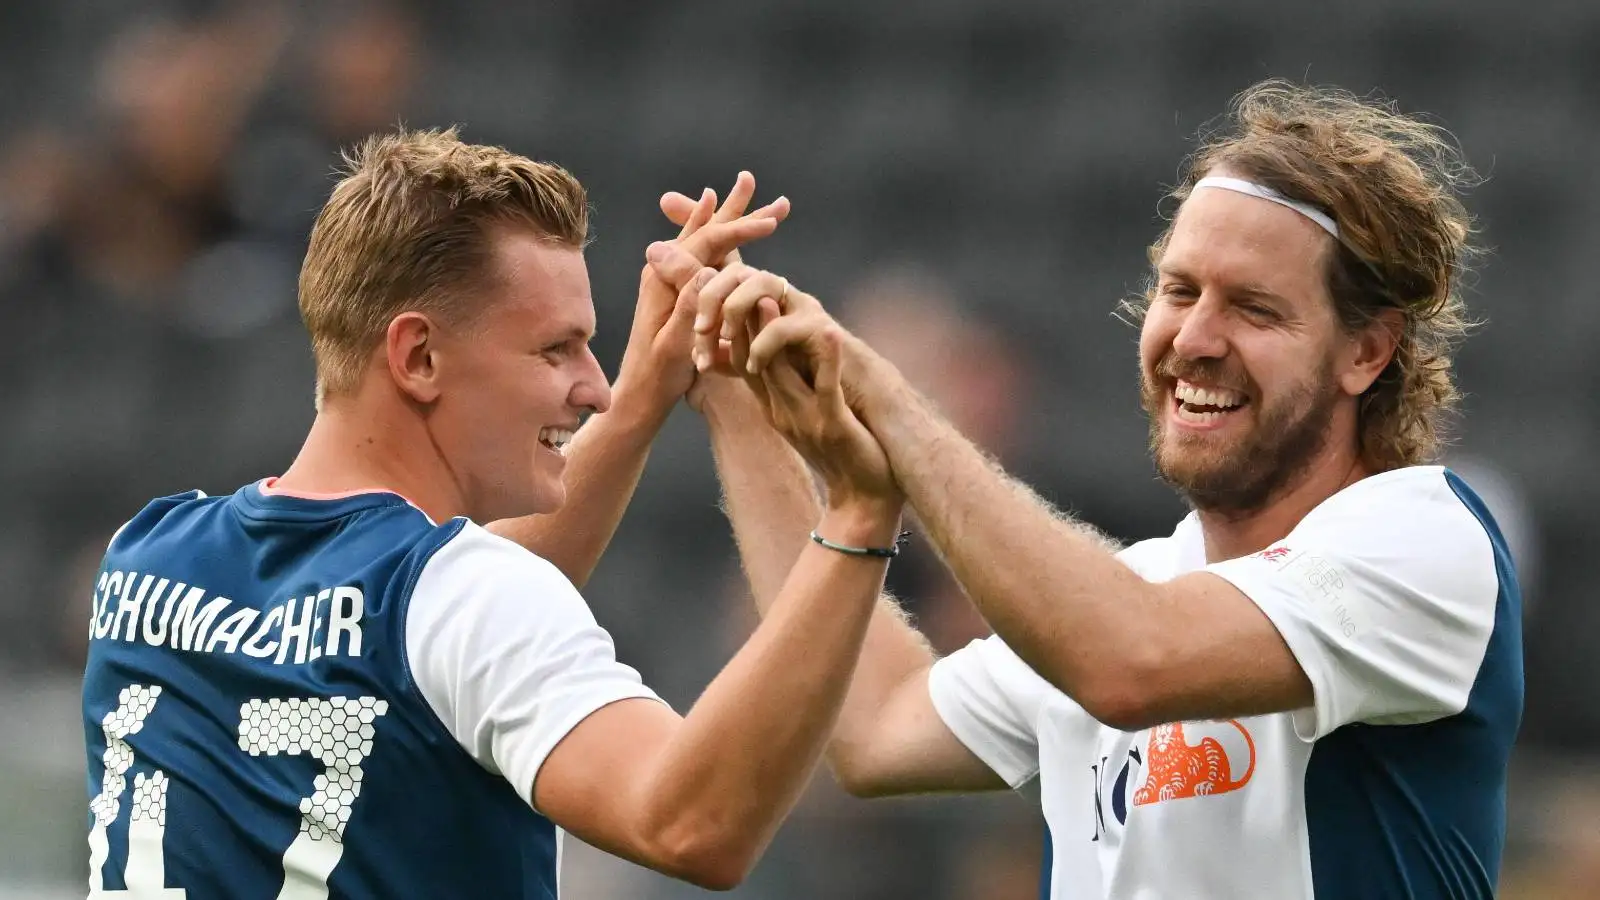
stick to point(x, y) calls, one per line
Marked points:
point(702, 323)
point(727, 330)
point(655, 251)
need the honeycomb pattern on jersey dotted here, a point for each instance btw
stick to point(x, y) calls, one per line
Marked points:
point(337, 731)
point(134, 703)
point(150, 798)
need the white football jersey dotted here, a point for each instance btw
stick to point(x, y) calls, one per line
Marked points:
point(1398, 598)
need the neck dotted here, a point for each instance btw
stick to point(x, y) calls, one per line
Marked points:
point(356, 446)
point(1231, 535)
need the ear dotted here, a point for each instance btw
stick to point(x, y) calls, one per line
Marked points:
point(410, 348)
point(1370, 351)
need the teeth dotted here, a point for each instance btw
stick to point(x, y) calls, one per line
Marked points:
point(555, 437)
point(1195, 396)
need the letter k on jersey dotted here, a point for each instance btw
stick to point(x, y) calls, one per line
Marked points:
point(1174, 769)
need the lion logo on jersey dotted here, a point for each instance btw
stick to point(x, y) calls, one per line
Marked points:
point(1178, 769)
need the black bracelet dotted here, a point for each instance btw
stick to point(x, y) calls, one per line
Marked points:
point(889, 552)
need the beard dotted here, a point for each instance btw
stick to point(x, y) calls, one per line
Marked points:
point(1244, 475)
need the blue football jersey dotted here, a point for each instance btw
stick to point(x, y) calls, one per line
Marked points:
point(255, 724)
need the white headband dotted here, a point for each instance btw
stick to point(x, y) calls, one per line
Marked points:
point(1266, 193)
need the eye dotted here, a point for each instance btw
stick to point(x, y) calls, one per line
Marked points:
point(1176, 292)
point(563, 349)
point(1260, 311)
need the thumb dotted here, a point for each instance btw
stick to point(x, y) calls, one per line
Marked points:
point(680, 325)
point(672, 263)
point(826, 382)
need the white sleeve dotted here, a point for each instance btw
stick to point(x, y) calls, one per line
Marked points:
point(1387, 600)
point(507, 653)
point(991, 700)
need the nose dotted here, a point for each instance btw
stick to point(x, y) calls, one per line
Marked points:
point(1202, 331)
point(591, 390)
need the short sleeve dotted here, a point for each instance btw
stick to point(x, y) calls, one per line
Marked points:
point(1386, 598)
point(506, 652)
point(991, 701)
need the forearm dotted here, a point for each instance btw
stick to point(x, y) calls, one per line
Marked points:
point(770, 501)
point(747, 748)
point(1048, 585)
point(604, 463)
point(767, 490)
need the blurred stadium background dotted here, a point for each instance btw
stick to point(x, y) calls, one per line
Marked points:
point(974, 186)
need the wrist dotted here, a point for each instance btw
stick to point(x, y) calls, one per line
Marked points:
point(861, 522)
point(727, 402)
point(872, 379)
point(636, 408)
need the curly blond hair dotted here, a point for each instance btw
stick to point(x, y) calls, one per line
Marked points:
point(410, 227)
point(1393, 183)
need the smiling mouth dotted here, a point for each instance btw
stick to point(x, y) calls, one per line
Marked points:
point(556, 439)
point(1205, 406)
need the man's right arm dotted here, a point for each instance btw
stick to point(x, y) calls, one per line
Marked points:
point(889, 739)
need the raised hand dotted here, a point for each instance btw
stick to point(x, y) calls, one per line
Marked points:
point(796, 363)
point(655, 366)
point(692, 214)
point(803, 367)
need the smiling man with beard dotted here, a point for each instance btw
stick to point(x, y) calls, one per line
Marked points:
point(1312, 687)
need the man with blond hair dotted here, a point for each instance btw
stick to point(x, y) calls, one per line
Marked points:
point(1312, 687)
point(337, 683)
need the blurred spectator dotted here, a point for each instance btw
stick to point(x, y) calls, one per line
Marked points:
point(361, 70)
point(1566, 862)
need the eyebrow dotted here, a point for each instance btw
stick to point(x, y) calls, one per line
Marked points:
point(575, 333)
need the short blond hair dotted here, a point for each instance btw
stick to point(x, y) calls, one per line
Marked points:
point(410, 228)
point(1394, 184)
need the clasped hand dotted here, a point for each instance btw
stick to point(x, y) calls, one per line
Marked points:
point(802, 365)
point(654, 366)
